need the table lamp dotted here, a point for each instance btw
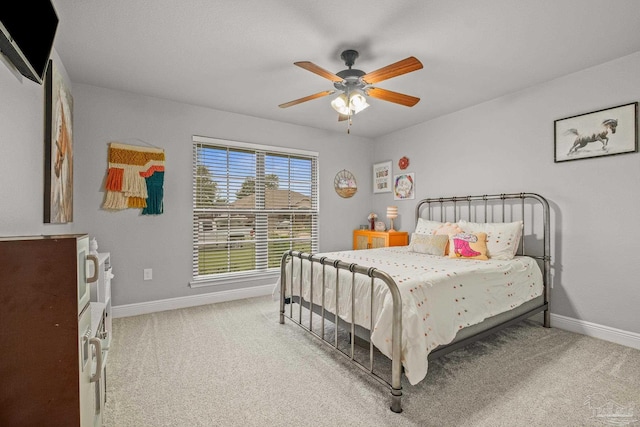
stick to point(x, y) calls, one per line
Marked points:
point(392, 213)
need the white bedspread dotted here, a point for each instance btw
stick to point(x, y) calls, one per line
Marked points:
point(440, 296)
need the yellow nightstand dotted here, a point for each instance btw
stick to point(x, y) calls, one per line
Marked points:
point(366, 239)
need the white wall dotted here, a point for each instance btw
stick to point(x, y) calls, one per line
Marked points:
point(22, 156)
point(163, 242)
point(507, 145)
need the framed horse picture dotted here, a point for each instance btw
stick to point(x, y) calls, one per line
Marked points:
point(599, 133)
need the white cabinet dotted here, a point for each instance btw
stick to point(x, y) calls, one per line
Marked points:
point(102, 326)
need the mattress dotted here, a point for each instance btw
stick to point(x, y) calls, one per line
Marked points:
point(440, 295)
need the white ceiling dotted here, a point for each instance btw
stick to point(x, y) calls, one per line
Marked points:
point(238, 55)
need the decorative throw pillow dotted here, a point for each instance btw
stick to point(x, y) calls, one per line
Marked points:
point(502, 238)
point(426, 226)
point(468, 245)
point(447, 229)
point(428, 244)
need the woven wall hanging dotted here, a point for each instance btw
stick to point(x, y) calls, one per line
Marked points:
point(135, 179)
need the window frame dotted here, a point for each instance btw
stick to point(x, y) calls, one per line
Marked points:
point(261, 150)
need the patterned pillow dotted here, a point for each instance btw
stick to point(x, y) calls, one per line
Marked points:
point(428, 244)
point(502, 238)
point(468, 245)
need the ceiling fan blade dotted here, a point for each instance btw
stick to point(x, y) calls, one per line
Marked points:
point(396, 69)
point(306, 98)
point(310, 66)
point(388, 95)
point(342, 117)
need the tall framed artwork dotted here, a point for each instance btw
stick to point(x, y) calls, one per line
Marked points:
point(382, 177)
point(599, 133)
point(58, 149)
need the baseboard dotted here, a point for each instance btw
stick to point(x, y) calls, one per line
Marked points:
point(127, 310)
point(618, 336)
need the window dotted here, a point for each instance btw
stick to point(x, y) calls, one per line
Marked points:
point(251, 203)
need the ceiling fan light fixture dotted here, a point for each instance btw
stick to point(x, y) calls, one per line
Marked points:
point(357, 102)
point(347, 106)
point(341, 104)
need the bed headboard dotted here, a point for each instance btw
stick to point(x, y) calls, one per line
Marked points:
point(530, 208)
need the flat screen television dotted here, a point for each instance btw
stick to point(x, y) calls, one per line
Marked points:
point(27, 31)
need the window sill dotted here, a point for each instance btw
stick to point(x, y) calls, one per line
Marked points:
point(230, 278)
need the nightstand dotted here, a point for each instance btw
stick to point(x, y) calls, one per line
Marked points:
point(366, 239)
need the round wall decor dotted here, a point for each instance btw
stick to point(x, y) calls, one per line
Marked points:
point(403, 163)
point(345, 184)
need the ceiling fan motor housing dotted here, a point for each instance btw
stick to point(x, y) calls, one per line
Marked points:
point(351, 78)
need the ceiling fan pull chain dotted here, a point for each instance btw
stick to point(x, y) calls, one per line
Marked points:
point(349, 107)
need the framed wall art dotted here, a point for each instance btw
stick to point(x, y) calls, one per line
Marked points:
point(382, 177)
point(404, 186)
point(599, 133)
point(58, 149)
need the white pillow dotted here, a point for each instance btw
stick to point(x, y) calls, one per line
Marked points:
point(425, 226)
point(503, 238)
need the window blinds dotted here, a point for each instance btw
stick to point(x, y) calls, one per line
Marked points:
point(250, 204)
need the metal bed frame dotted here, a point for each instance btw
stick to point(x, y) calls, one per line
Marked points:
point(441, 209)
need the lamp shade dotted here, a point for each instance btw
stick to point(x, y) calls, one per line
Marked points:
point(357, 102)
point(340, 104)
point(392, 213)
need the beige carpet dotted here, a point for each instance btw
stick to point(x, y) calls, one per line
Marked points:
point(233, 364)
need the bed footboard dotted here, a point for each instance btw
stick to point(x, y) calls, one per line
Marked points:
point(325, 263)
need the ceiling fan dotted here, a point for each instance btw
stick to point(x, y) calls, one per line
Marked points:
point(356, 84)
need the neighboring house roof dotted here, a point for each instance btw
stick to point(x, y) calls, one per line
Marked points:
point(276, 199)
